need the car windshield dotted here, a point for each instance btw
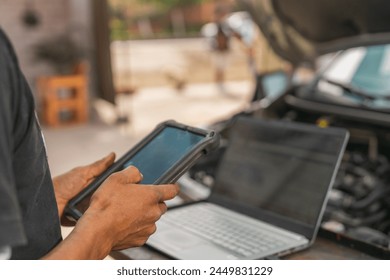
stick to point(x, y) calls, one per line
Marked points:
point(358, 77)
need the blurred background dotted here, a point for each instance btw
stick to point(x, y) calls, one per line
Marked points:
point(104, 73)
point(119, 67)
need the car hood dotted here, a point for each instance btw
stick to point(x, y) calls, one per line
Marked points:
point(301, 30)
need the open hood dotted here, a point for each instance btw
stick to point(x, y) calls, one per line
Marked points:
point(301, 30)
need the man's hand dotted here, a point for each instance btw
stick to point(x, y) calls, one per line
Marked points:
point(122, 214)
point(68, 185)
point(128, 211)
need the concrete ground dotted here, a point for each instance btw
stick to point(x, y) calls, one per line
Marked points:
point(146, 63)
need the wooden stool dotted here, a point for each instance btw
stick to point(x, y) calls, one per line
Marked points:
point(65, 94)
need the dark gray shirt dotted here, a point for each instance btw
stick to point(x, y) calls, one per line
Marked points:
point(29, 220)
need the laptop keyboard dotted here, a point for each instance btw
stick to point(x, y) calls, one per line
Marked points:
point(240, 234)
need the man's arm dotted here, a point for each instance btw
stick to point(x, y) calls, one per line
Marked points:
point(12, 231)
point(122, 214)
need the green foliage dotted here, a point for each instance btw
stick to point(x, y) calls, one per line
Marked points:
point(125, 14)
point(118, 29)
point(170, 4)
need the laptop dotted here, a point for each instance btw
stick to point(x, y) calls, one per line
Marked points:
point(269, 195)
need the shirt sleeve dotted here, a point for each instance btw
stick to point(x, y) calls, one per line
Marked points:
point(11, 227)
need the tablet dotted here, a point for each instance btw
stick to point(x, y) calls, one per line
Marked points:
point(162, 157)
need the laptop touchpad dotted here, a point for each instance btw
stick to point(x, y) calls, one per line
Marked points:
point(189, 246)
point(176, 238)
point(211, 251)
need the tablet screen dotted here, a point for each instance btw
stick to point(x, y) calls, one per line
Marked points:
point(161, 157)
point(164, 151)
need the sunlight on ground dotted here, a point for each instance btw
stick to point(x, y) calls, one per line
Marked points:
point(197, 104)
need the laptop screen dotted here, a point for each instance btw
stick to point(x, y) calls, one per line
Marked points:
point(282, 168)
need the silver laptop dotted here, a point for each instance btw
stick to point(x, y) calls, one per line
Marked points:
point(269, 195)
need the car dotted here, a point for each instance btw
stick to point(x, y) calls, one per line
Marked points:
point(357, 77)
point(345, 44)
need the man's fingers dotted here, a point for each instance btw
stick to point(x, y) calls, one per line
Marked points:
point(167, 192)
point(101, 165)
point(163, 207)
point(130, 175)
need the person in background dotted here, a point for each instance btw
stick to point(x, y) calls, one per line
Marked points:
point(122, 213)
point(260, 56)
point(219, 36)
